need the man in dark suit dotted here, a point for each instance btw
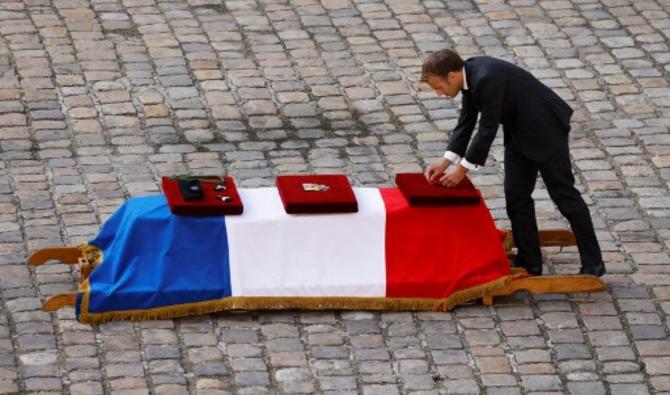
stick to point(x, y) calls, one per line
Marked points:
point(536, 123)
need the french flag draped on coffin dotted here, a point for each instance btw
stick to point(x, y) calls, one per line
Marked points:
point(388, 255)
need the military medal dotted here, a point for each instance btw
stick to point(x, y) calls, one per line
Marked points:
point(312, 187)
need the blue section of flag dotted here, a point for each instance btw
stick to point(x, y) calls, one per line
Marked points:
point(153, 258)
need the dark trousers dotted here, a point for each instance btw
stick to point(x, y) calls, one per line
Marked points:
point(520, 178)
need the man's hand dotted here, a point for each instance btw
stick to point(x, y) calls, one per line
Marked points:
point(454, 177)
point(435, 171)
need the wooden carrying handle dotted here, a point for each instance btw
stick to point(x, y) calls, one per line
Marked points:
point(548, 238)
point(69, 255)
point(557, 238)
point(549, 284)
point(55, 302)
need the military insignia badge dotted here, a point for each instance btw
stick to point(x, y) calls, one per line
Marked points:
point(317, 193)
point(313, 187)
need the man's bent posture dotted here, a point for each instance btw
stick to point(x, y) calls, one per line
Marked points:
point(536, 123)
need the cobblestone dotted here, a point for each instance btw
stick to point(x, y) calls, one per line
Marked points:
point(99, 99)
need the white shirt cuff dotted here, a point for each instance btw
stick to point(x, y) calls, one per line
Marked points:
point(452, 156)
point(468, 165)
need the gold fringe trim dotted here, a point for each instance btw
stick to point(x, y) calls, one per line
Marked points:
point(283, 303)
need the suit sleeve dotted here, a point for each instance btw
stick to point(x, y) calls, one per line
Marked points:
point(490, 92)
point(467, 119)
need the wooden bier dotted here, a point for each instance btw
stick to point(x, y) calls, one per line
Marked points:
point(532, 284)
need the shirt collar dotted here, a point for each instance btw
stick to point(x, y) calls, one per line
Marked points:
point(465, 80)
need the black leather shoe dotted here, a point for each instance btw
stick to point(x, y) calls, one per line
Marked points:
point(595, 270)
point(533, 271)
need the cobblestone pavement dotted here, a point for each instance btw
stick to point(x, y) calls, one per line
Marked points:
point(100, 98)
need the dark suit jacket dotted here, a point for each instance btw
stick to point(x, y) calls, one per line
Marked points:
point(535, 120)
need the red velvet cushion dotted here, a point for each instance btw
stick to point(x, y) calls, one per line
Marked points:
point(338, 198)
point(419, 192)
point(209, 204)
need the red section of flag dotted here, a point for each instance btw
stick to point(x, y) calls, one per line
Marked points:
point(434, 251)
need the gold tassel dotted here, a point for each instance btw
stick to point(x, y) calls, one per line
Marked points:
point(508, 242)
point(92, 253)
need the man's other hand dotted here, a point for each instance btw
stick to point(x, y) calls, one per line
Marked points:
point(454, 177)
point(436, 170)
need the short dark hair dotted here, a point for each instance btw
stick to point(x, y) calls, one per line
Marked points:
point(441, 63)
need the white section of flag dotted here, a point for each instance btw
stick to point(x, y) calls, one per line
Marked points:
point(277, 254)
